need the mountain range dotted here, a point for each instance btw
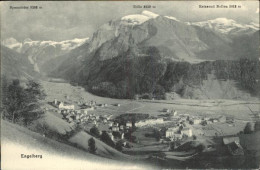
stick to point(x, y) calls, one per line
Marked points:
point(40, 52)
point(152, 54)
point(174, 39)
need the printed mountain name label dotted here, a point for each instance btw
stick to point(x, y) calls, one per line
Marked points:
point(219, 6)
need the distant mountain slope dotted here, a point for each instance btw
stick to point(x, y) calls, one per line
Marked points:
point(40, 52)
point(247, 46)
point(15, 65)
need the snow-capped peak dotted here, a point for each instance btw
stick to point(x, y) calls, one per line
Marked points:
point(225, 25)
point(222, 21)
point(137, 19)
point(12, 43)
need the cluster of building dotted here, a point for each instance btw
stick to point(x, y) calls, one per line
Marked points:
point(178, 132)
point(81, 114)
point(196, 120)
point(116, 131)
point(182, 121)
point(116, 127)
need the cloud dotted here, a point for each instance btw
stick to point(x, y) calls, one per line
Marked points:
point(257, 11)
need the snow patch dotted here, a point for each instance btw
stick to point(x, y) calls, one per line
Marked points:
point(64, 45)
point(137, 19)
point(172, 18)
point(30, 59)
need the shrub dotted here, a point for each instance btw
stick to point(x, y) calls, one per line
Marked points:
point(95, 132)
point(92, 145)
point(119, 146)
point(106, 138)
point(248, 128)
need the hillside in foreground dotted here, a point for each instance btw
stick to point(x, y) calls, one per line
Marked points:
point(17, 140)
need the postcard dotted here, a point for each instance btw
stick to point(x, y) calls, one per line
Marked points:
point(130, 85)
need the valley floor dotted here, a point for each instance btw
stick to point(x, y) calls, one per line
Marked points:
point(238, 109)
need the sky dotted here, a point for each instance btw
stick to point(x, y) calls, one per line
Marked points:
point(79, 19)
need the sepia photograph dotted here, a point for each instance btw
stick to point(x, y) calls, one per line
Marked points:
point(130, 85)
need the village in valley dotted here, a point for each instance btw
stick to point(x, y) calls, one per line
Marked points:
point(179, 135)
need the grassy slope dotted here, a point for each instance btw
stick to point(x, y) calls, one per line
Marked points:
point(81, 139)
point(17, 140)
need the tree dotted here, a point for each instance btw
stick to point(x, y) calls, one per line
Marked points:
point(173, 145)
point(130, 137)
point(119, 146)
point(248, 128)
point(21, 104)
point(159, 92)
point(194, 137)
point(106, 138)
point(257, 125)
point(35, 90)
point(92, 145)
point(94, 131)
point(201, 148)
point(157, 134)
point(116, 134)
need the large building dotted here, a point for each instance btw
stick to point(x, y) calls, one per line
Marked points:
point(196, 121)
point(170, 133)
point(186, 131)
point(62, 105)
point(128, 124)
point(233, 145)
point(115, 128)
